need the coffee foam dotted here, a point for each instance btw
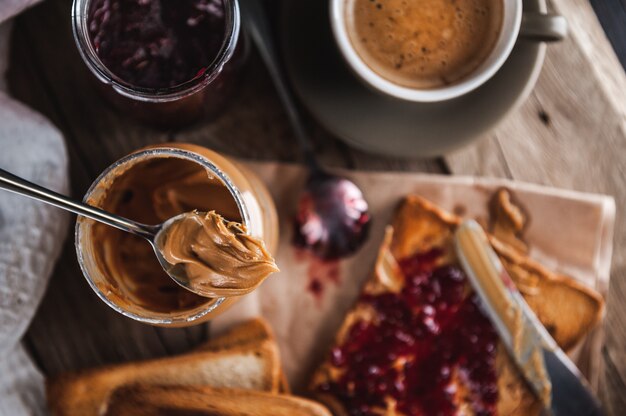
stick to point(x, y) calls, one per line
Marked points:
point(424, 43)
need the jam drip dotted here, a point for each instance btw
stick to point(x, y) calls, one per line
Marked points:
point(157, 43)
point(426, 335)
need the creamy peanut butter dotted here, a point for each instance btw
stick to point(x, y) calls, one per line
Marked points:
point(219, 257)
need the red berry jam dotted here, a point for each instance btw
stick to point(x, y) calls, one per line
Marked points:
point(427, 333)
point(157, 43)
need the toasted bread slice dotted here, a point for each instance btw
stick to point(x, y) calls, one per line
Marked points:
point(249, 333)
point(568, 309)
point(254, 367)
point(142, 400)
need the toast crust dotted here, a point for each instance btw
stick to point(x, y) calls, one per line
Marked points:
point(142, 400)
point(419, 226)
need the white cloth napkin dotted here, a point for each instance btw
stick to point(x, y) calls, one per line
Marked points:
point(31, 233)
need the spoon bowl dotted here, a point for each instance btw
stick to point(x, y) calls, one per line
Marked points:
point(178, 272)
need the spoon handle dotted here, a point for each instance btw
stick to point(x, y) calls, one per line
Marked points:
point(15, 184)
point(257, 24)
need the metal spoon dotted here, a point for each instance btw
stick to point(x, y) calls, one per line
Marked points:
point(154, 234)
point(332, 219)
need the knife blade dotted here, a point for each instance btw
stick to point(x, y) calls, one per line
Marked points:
point(546, 368)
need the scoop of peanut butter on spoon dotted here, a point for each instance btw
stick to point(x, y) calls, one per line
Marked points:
point(203, 253)
point(214, 257)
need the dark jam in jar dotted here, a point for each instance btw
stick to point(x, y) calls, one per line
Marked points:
point(157, 43)
point(426, 335)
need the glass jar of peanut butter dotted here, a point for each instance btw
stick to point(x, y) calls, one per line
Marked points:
point(152, 185)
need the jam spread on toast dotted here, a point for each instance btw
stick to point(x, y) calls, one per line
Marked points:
point(425, 345)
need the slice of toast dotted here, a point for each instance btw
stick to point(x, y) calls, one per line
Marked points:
point(249, 333)
point(142, 400)
point(568, 310)
point(254, 366)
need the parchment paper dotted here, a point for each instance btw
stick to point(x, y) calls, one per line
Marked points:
point(570, 232)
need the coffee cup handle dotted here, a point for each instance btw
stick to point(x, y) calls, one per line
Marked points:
point(543, 27)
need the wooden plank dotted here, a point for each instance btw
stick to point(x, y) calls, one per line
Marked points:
point(572, 134)
point(612, 16)
point(590, 40)
point(361, 160)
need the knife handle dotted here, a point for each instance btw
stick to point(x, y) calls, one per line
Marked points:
point(570, 395)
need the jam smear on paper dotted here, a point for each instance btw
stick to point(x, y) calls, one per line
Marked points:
point(320, 273)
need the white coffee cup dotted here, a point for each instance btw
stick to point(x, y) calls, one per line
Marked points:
point(515, 23)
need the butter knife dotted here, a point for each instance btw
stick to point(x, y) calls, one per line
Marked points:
point(549, 372)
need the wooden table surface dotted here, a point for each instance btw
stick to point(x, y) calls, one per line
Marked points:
point(612, 16)
point(571, 133)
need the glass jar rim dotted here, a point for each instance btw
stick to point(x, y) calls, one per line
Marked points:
point(80, 13)
point(130, 160)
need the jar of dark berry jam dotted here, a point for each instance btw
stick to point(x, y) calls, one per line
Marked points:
point(166, 62)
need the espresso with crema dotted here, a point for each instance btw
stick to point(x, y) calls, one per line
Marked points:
point(424, 44)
